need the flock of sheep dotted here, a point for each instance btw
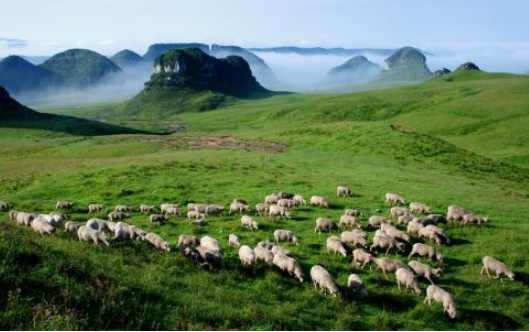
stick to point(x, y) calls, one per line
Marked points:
point(416, 220)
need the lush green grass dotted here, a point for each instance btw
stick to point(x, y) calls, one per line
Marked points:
point(58, 283)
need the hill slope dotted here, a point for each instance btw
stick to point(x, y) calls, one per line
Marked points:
point(20, 76)
point(127, 58)
point(355, 70)
point(80, 68)
point(155, 50)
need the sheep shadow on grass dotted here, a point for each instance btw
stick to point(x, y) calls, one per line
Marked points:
point(522, 277)
point(493, 320)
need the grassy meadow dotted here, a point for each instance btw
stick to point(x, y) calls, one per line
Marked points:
point(457, 140)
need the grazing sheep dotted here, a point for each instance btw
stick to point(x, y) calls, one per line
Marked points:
point(414, 227)
point(86, 233)
point(286, 203)
point(171, 209)
point(234, 241)
point(121, 231)
point(355, 283)
point(190, 253)
point(25, 218)
point(4, 206)
point(474, 219)
point(425, 270)
point(405, 277)
point(95, 208)
point(404, 220)
point(394, 199)
point(272, 199)
point(439, 295)
point(73, 227)
point(123, 208)
point(13, 215)
point(277, 249)
point(147, 208)
point(319, 201)
point(42, 227)
point(54, 219)
point(210, 243)
point(419, 208)
point(239, 200)
point(299, 200)
point(281, 235)
point(376, 221)
point(158, 218)
point(325, 224)
point(190, 206)
point(263, 254)
point(496, 266)
point(360, 256)
point(352, 213)
point(238, 207)
point(136, 233)
point(158, 242)
point(194, 215)
point(322, 280)
point(210, 258)
point(343, 191)
point(113, 216)
point(394, 232)
point(97, 225)
point(433, 234)
point(185, 240)
point(262, 208)
point(350, 221)
point(266, 245)
point(425, 250)
point(249, 222)
point(357, 238)
point(384, 241)
point(435, 219)
point(289, 265)
point(246, 255)
point(336, 246)
point(388, 265)
point(456, 213)
point(276, 210)
point(214, 209)
point(397, 212)
point(64, 205)
point(200, 208)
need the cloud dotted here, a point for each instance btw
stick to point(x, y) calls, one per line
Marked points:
point(12, 43)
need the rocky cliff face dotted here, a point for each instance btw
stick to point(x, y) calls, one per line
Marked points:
point(407, 65)
point(194, 69)
point(20, 76)
point(355, 71)
point(467, 66)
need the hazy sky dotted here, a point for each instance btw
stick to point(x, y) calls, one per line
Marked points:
point(442, 26)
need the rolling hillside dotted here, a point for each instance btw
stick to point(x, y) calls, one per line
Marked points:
point(452, 140)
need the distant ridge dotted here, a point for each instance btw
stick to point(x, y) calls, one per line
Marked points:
point(324, 51)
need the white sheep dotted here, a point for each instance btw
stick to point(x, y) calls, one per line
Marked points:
point(405, 277)
point(343, 191)
point(272, 199)
point(322, 280)
point(185, 240)
point(64, 205)
point(393, 199)
point(98, 225)
point(336, 246)
point(42, 227)
point(425, 270)
point(194, 215)
point(439, 295)
point(276, 210)
point(319, 201)
point(356, 237)
point(117, 215)
point(376, 221)
point(384, 241)
point(388, 265)
point(299, 200)
point(85, 233)
point(350, 221)
point(214, 209)
point(158, 218)
point(122, 208)
point(210, 258)
point(72, 226)
point(95, 208)
point(289, 265)
point(277, 249)
point(136, 233)
point(25, 218)
point(286, 203)
point(281, 235)
point(210, 243)
point(397, 212)
point(249, 222)
point(173, 209)
point(496, 266)
point(158, 242)
point(246, 255)
point(147, 208)
point(352, 213)
point(233, 240)
point(414, 227)
point(262, 208)
point(474, 219)
point(404, 220)
point(325, 224)
point(239, 207)
point(395, 233)
point(355, 283)
point(360, 256)
point(263, 254)
point(425, 250)
point(456, 213)
point(420, 208)
point(431, 234)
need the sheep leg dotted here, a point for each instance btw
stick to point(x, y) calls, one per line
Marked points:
point(487, 270)
point(398, 284)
